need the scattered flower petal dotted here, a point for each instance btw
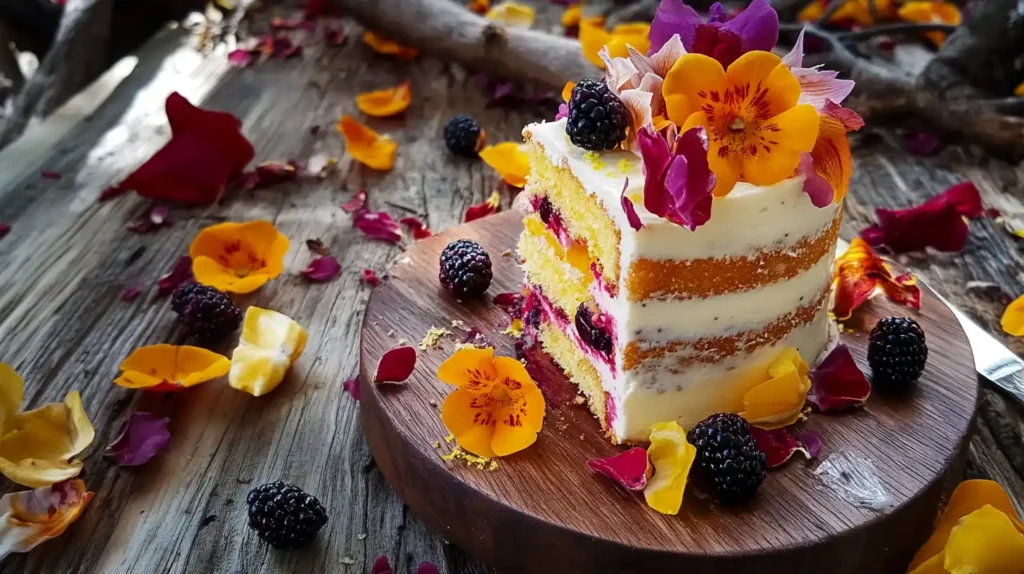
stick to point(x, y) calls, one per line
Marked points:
point(238, 257)
point(571, 18)
point(629, 209)
point(381, 566)
point(563, 111)
point(4, 229)
point(811, 442)
point(318, 246)
point(111, 192)
point(30, 517)
point(427, 568)
point(779, 401)
point(859, 271)
point(488, 207)
point(270, 343)
point(269, 173)
point(378, 225)
point(931, 12)
point(937, 223)
point(206, 151)
point(479, 6)
point(593, 38)
point(672, 457)
point(512, 14)
point(357, 203)
point(132, 291)
point(335, 37)
point(180, 273)
point(395, 365)
point(921, 143)
point(1012, 321)
point(351, 386)
point(837, 383)
point(322, 269)
point(370, 278)
point(367, 146)
point(382, 45)
point(509, 160)
point(49, 174)
point(169, 368)
point(780, 445)
point(629, 469)
point(242, 58)
point(416, 226)
point(386, 102)
point(140, 439)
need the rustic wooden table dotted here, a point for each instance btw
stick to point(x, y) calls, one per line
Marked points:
point(64, 327)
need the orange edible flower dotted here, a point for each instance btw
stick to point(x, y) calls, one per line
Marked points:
point(1019, 90)
point(859, 271)
point(572, 16)
point(936, 12)
point(479, 6)
point(367, 146)
point(778, 402)
point(593, 37)
point(382, 45)
point(167, 368)
point(238, 257)
point(387, 102)
point(1013, 318)
point(509, 160)
point(979, 531)
point(497, 409)
point(852, 11)
point(512, 14)
point(756, 130)
point(30, 517)
point(831, 155)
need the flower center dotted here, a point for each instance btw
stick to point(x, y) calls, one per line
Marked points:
point(501, 395)
point(737, 125)
point(242, 271)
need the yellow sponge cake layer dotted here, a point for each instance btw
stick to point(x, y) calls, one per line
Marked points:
point(557, 271)
point(577, 367)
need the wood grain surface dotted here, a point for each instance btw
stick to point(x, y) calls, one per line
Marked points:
point(66, 260)
point(542, 509)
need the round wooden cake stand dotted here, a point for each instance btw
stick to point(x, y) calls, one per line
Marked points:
point(542, 510)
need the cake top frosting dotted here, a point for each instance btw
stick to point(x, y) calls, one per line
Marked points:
point(710, 105)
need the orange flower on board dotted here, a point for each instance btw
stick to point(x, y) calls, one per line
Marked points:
point(367, 146)
point(167, 368)
point(756, 130)
point(979, 531)
point(852, 11)
point(496, 408)
point(509, 160)
point(238, 257)
point(936, 12)
point(382, 45)
point(778, 402)
point(387, 102)
point(593, 37)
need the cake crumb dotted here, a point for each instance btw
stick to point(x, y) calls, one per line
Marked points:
point(460, 325)
point(579, 400)
point(432, 339)
point(469, 459)
point(433, 403)
point(449, 439)
point(348, 560)
point(401, 342)
point(437, 444)
point(391, 333)
point(515, 329)
point(361, 536)
point(624, 166)
point(506, 253)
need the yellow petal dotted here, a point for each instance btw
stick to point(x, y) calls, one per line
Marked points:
point(11, 393)
point(567, 90)
point(387, 102)
point(469, 417)
point(672, 456)
point(38, 445)
point(238, 257)
point(592, 38)
point(509, 160)
point(382, 45)
point(795, 130)
point(367, 146)
point(778, 402)
point(691, 75)
point(30, 517)
point(1013, 317)
point(470, 366)
point(270, 343)
point(934, 565)
point(985, 542)
point(512, 14)
point(572, 16)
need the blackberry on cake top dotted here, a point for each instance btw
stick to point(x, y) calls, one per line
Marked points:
point(465, 268)
point(597, 117)
point(464, 136)
point(728, 456)
point(897, 352)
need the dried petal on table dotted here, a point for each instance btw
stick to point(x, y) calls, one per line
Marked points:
point(370, 277)
point(31, 517)
point(386, 102)
point(382, 45)
point(416, 226)
point(395, 365)
point(366, 146)
point(378, 225)
point(238, 257)
point(509, 160)
point(170, 368)
point(270, 173)
point(938, 223)
point(488, 207)
point(351, 386)
point(838, 383)
point(316, 245)
point(357, 203)
point(629, 469)
point(141, 438)
point(180, 273)
point(322, 269)
point(859, 272)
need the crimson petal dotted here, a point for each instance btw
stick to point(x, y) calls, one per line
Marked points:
point(837, 383)
point(937, 223)
point(416, 226)
point(357, 203)
point(395, 365)
point(370, 277)
point(322, 269)
point(780, 445)
point(629, 469)
point(351, 386)
point(381, 566)
point(378, 225)
point(627, 206)
point(181, 273)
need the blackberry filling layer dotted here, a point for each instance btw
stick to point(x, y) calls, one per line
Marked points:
point(592, 328)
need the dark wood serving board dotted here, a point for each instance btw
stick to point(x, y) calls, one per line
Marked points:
point(542, 510)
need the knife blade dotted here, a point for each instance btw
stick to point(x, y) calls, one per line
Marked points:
point(992, 360)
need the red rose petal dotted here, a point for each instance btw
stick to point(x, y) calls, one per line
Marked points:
point(141, 438)
point(370, 277)
point(322, 269)
point(859, 272)
point(357, 203)
point(488, 207)
point(314, 8)
point(378, 225)
point(381, 566)
point(242, 58)
point(206, 151)
point(132, 291)
point(427, 568)
point(627, 206)
point(416, 226)
point(181, 273)
point(629, 469)
point(395, 365)
point(111, 192)
point(837, 383)
point(937, 223)
point(780, 445)
point(351, 386)
point(49, 174)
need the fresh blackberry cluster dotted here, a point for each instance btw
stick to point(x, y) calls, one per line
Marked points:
point(465, 269)
point(897, 352)
point(597, 117)
point(208, 314)
point(728, 456)
point(464, 136)
point(597, 337)
point(285, 516)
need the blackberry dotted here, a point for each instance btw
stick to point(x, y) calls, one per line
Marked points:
point(464, 136)
point(208, 314)
point(545, 209)
point(897, 352)
point(283, 515)
point(592, 334)
point(465, 268)
point(728, 456)
point(597, 118)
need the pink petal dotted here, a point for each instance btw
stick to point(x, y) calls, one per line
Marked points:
point(427, 568)
point(32, 517)
point(795, 57)
point(629, 469)
point(111, 192)
point(140, 439)
point(838, 383)
point(370, 277)
point(132, 291)
point(811, 442)
point(381, 566)
point(181, 273)
point(780, 445)
point(627, 206)
point(395, 365)
point(378, 225)
point(817, 187)
point(819, 86)
point(416, 226)
point(351, 386)
point(563, 111)
point(50, 174)
point(242, 58)
point(270, 173)
point(322, 269)
point(850, 119)
point(357, 203)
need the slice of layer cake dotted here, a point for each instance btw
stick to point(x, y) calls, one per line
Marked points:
point(664, 280)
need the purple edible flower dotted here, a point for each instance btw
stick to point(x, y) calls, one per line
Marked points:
point(724, 39)
point(140, 439)
point(679, 181)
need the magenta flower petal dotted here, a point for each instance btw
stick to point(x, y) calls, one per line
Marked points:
point(370, 277)
point(656, 156)
point(322, 269)
point(395, 365)
point(357, 203)
point(4, 229)
point(416, 226)
point(427, 568)
point(678, 185)
point(351, 386)
point(817, 187)
point(937, 223)
point(133, 290)
point(242, 58)
point(717, 14)
point(812, 443)
point(757, 26)
point(378, 225)
point(921, 143)
point(381, 566)
point(629, 469)
point(838, 382)
point(627, 206)
point(563, 111)
point(140, 439)
point(673, 17)
point(780, 445)
point(181, 273)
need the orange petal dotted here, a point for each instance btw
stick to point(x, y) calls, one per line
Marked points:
point(512, 14)
point(479, 6)
point(572, 16)
point(778, 402)
point(985, 541)
point(387, 102)
point(170, 367)
point(764, 69)
point(691, 75)
point(469, 367)
point(811, 13)
point(567, 90)
point(968, 497)
point(795, 132)
point(238, 257)
point(470, 417)
point(1019, 90)
point(592, 38)
point(831, 154)
point(382, 45)
point(1013, 317)
point(509, 160)
point(367, 146)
